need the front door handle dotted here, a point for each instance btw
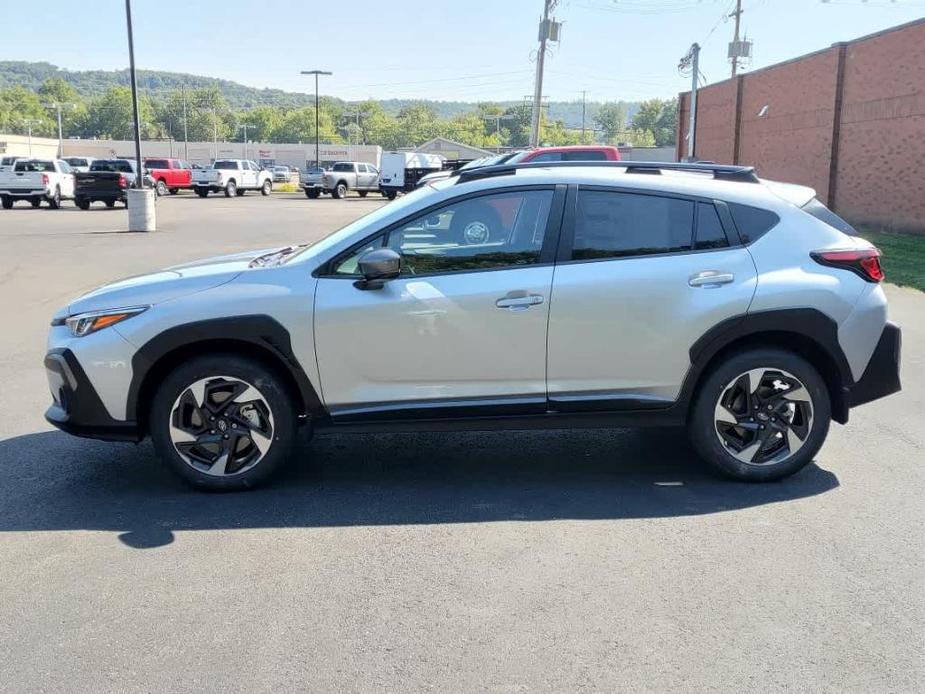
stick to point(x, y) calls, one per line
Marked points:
point(519, 303)
point(710, 278)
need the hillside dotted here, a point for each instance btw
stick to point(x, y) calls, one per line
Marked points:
point(93, 82)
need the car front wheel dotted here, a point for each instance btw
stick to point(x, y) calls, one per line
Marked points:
point(761, 415)
point(266, 188)
point(223, 422)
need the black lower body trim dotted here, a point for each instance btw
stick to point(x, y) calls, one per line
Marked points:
point(881, 377)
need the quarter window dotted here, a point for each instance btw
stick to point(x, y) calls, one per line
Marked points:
point(710, 233)
point(488, 232)
point(752, 222)
point(615, 225)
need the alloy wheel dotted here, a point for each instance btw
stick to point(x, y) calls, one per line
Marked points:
point(763, 416)
point(221, 426)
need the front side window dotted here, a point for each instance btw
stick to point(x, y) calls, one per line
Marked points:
point(548, 156)
point(488, 232)
point(614, 225)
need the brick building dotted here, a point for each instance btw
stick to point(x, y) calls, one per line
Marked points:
point(848, 120)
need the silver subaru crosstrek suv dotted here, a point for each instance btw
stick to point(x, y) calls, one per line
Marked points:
point(511, 297)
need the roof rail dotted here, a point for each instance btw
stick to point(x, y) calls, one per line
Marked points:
point(721, 172)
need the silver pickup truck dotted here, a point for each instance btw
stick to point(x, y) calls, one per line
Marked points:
point(344, 176)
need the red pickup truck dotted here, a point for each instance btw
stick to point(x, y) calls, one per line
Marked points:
point(169, 175)
point(570, 153)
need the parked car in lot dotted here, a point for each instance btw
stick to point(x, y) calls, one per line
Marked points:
point(233, 177)
point(36, 180)
point(343, 177)
point(107, 181)
point(698, 296)
point(474, 164)
point(169, 175)
point(401, 171)
point(569, 153)
point(7, 161)
point(281, 173)
point(311, 181)
point(79, 164)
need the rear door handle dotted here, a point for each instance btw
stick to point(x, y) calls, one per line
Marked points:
point(710, 278)
point(519, 303)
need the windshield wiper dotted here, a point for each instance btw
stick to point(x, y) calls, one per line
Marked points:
point(273, 257)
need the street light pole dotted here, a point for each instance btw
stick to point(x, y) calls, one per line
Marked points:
point(29, 122)
point(58, 106)
point(245, 126)
point(317, 135)
point(139, 179)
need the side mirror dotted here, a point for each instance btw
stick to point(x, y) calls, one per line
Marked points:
point(377, 267)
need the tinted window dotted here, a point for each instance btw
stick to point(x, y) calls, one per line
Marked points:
point(752, 222)
point(492, 231)
point(584, 156)
point(76, 161)
point(710, 232)
point(120, 165)
point(613, 225)
point(157, 164)
point(225, 164)
point(31, 165)
point(343, 167)
point(823, 213)
point(548, 156)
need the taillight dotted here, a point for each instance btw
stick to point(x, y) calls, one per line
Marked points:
point(123, 183)
point(865, 263)
point(44, 179)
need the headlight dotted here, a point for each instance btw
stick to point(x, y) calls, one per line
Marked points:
point(86, 323)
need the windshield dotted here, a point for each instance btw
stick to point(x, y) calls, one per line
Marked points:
point(225, 164)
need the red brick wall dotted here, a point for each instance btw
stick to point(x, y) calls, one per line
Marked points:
point(881, 161)
point(880, 177)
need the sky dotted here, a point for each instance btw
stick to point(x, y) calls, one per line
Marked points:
point(466, 50)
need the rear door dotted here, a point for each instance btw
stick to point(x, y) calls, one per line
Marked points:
point(640, 277)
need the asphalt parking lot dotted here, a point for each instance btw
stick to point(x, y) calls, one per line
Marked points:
point(540, 561)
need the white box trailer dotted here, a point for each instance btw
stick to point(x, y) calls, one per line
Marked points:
point(399, 172)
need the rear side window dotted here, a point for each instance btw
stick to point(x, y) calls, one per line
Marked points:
point(157, 164)
point(752, 222)
point(120, 165)
point(589, 155)
point(225, 164)
point(710, 233)
point(548, 156)
point(615, 225)
point(823, 213)
point(343, 167)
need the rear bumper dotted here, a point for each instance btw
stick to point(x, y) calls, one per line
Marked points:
point(24, 192)
point(76, 407)
point(881, 377)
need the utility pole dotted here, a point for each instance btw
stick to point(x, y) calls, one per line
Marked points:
point(245, 126)
point(583, 98)
point(735, 57)
point(692, 60)
point(353, 114)
point(548, 5)
point(317, 135)
point(185, 134)
point(214, 136)
point(29, 122)
point(139, 179)
point(497, 119)
point(58, 106)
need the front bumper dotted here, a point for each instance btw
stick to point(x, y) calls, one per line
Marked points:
point(881, 377)
point(76, 407)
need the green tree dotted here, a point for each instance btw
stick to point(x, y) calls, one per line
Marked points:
point(298, 125)
point(611, 120)
point(111, 116)
point(378, 127)
point(17, 105)
point(660, 118)
point(417, 124)
point(518, 127)
point(639, 138)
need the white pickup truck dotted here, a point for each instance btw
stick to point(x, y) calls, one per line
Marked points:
point(233, 177)
point(35, 180)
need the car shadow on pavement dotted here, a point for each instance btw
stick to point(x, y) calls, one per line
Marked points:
point(51, 481)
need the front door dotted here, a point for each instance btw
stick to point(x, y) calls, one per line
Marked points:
point(462, 330)
point(641, 278)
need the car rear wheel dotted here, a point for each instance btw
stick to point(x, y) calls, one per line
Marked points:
point(54, 202)
point(6, 202)
point(761, 415)
point(110, 203)
point(174, 191)
point(35, 202)
point(311, 194)
point(202, 192)
point(363, 193)
point(231, 189)
point(82, 203)
point(240, 192)
point(340, 191)
point(223, 422)
point(161, 188)
point(266, 188)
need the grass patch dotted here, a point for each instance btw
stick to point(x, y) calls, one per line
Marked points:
point(903, 257)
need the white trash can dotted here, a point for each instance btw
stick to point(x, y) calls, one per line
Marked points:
point(141, 214)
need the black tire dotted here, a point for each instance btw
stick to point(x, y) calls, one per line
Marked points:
point(391, 195)
point(35, 202)
point(266, 188)
point(82, 203)
point(312, 193)
point(476, 225)
point(275, 393)
point(363, 193)
point(7, 202)
point(240, 192)
point(340, 191)
point(703, 428)
point(160, 188)
point(54, 202)
point(110, 203)
point(174, 191)
point(231, 189)
point(202, 192)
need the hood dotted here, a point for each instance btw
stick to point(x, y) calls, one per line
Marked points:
point(170, 283)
